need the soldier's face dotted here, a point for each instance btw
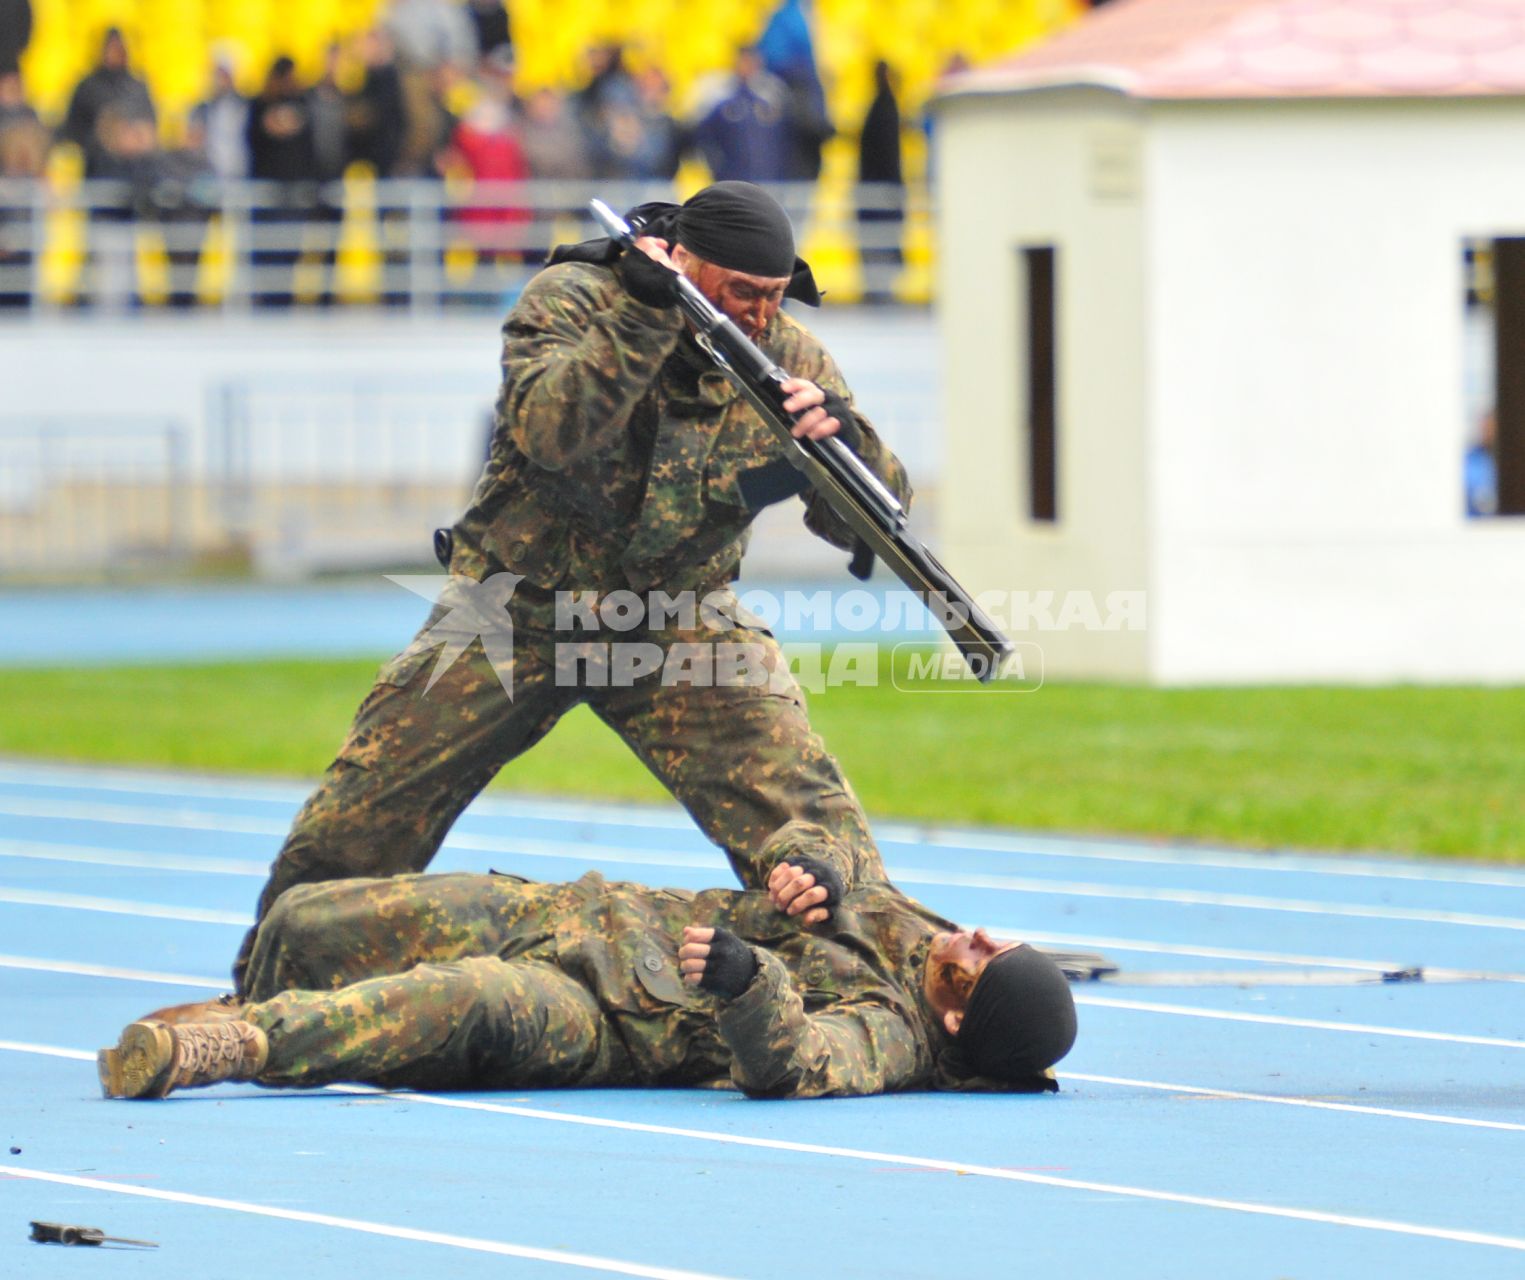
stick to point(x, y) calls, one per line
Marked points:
point(750, 302)
point(954, 964)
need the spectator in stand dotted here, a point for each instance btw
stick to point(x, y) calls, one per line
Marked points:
point(430, 36)
point(15, 111)
point(490, 18)
point(609, 96)
point(281, 150)
point(280, 133)
point(377, 116)
point(441, 120)
point(644, 142)
point(745, 133)
point(15, 33)
point(111, 84)
point(882, 207)
point(788, 51)
point(786, 44)
point(222, 122)
point(178, 190)
point(553, 142)
point(429, 32)
point(23, 153)
point(327, 106)
point(126, 148)
point(486, 148)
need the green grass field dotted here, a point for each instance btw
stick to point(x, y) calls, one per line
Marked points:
point(1417, 770)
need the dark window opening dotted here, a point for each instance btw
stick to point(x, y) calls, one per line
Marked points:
point(1042, 384)
point(1509, 374)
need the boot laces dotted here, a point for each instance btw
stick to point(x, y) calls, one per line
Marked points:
point(208, 1048)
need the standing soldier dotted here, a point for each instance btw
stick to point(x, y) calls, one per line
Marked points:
point(621, 461)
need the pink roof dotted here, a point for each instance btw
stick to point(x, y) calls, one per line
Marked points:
point(1278, 49)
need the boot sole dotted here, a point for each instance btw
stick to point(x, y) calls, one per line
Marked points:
point(142, 1064)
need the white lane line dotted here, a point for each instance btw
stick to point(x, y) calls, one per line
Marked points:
point(199, 820)
point(1312, 1024)
point(668, 818)
point(955, 1166)
point(116, 907)
point(1169, 855)
point(46, 1050)
point(1353, 1108)
point(140, 860)
point(587, 1261)
point(1188, 1090)
point(112, 906)
point(157, 861)
point(183, 819)
point(1236, 953)
point(148, 860)
point(1181, 949)
point(1101, 1002)
point(112, 971)
point(131, 815)
point(153, 860)
point(1192, 897)
point(877, 1157)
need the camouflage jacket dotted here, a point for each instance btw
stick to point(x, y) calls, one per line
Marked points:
point(833, 1010)
point(617, 448)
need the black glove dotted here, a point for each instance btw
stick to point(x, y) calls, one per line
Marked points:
point(730, 966)
point(848, 432)
point(826, 877)
point(647, 280)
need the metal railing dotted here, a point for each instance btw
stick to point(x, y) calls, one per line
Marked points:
point(288, 476)
point(165, 242)
point(88, 493)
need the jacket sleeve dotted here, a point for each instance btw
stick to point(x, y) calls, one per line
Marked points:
point(578, 354)
point(780, 1051)
point(814, 362)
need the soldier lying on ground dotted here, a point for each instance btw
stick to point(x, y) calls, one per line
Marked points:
point(497, 982)
point(623, 462)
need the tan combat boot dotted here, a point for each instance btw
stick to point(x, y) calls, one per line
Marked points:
point(226, 1008)
point(153, 1057)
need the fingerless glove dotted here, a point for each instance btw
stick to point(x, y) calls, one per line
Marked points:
point(825, 876)
point(730, 968)
point(849, 432)
point(647, 280)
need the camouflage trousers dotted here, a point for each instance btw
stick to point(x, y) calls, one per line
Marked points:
point(439, 982)
point(740, 757)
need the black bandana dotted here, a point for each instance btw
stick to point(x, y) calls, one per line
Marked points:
point(1020, 1018)
point(739, 226)
point(736, 225)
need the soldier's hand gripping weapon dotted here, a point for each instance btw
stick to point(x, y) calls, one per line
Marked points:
point(854, 492)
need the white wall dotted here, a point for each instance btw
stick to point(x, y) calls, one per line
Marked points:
point(174, 366)
point(1306, 336)
point(1062, 168)
point(323, 382)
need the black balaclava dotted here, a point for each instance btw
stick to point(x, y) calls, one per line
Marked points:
point(1020, 1019)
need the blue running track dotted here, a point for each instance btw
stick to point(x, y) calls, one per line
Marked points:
point(1209, 1128)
